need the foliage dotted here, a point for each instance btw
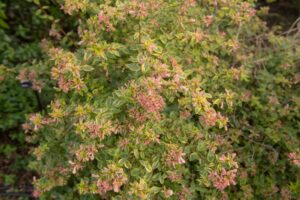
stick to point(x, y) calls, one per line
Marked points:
point(170, 100)
point(23, 24)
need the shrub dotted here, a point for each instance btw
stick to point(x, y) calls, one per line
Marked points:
point(170, 99)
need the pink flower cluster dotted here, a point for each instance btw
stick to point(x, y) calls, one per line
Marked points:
point(124, 143)
point(185, 114)
point(285, 194)
point(160, 71)
point(223, 179)
point(175, 156)
point(94, 130)
point(116, 178)
point(151, 48)
point(137, 115)
point(36, 123)
point(168, 193)
point(66, 72)
point(199, 35)
point(186, 5)
point(141, 9)
point(229, 159)
point(26, 127)
point(100, 130)
point(295, 158)
point(75, 166)
point(36, 193)
point(104, 19)
point(26, 75)
point(86, 153)
point(211, 117)
point(151, 101)
point(103, 186)
point(174, 176)
point(184, 193)
point(208, 20)
point(250, 11)
point(64, 85)
point(71, 6)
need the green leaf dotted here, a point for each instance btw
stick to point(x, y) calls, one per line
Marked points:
point(3, 24)
point(37, 2)
point(136, 153)
point(194, 156)
point(147, 166)
point(87, 68)
point(201, 147)
point(135, 172)
point(127, 164)
point(155, 190)
point(161, 180)
point(133, 67)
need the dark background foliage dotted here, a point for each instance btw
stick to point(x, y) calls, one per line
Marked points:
point(282, 12)
point(23, 25)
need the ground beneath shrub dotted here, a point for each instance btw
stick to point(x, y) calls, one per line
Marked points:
point(20, 184)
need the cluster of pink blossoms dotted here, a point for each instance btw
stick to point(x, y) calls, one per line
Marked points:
point(94, 130)
point(185, 114)
point(124, 143)
point(184, 193)
point(103, 186)
point(137, 115)
point(186, 5)
point(104, 19)
point(86, 153)
point(66, 72)
point(295, 158)
point(100, 130)
point(174, 176)
point(75, 166)
point(151, 101)
point(36, 193)
point(36, 123)
point(208, 20)
point(199, 35)
point(114, 180)
point(175, 156)
point(140, 8)
point(25, 75)
point(160, 71)
point(168, 193)
point(211, 117)
point(250, 11)
point(230, 159)
point(71, 6)
point(223, 179)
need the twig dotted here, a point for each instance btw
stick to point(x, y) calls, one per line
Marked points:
point(292, 27)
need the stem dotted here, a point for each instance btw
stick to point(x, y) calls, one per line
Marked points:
point(140, 38)
point(38, 100)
